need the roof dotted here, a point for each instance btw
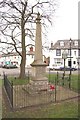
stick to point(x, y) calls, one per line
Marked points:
point(16, 54)
point(65, 44)
point(10, 54)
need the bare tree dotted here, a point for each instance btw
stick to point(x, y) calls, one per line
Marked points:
point(17, 18)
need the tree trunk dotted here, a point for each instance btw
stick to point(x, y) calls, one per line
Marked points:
point(22, 67)
point(23, 59)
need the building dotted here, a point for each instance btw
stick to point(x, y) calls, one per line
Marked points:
point(70, 47)
point(10, 58)
point(14, 58)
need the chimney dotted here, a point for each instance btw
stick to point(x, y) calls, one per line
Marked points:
point(31, 49)
point(51, 44)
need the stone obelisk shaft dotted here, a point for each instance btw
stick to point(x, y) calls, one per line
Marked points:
point(38, 58)
point(38, 40)
point(39, 80)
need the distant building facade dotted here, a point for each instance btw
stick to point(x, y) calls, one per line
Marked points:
point(14, 58)
point(73, 53)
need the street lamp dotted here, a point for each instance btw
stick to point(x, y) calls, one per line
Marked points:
point(64, 56)
point(70, 64)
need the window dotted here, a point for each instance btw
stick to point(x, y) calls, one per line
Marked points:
point(61, 43)
point(76, 43)
point(78, 52)
point(74, 62)
point(32, 56)
point(74, 52)
point(58, 52)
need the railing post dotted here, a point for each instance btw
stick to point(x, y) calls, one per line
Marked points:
point(28, 76)
point(55, 89)
point(69, 81)
point(12, 94)
point(63, 79)
point(9, 89)
point(49, 75)
point(57, 78)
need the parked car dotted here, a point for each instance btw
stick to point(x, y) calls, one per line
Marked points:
point(50, 68)
point(10, 66)
point(3, 66)
point(68, 68)
point(56, 67)
point(0, 65)
point(59, 67)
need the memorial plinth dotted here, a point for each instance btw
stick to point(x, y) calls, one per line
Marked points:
point(39, 80)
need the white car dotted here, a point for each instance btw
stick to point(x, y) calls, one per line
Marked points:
point(55, 67)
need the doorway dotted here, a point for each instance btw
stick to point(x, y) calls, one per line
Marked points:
point(69, 63)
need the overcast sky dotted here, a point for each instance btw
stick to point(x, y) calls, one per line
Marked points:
point(65, 21)
point(65, 24)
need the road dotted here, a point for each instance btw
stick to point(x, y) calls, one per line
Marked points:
point(12, 72)
point(66, 72)
point(16, 71)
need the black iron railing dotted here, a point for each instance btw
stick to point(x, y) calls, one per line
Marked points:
point(24, 95)
point(9, 89)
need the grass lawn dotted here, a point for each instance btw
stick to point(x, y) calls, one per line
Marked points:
point(68, 109)
point(0, 82)
point(51, 78)
point(74, 81)
point(17, 81)
point(61, 110)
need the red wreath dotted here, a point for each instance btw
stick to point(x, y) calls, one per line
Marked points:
point(52, 87)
